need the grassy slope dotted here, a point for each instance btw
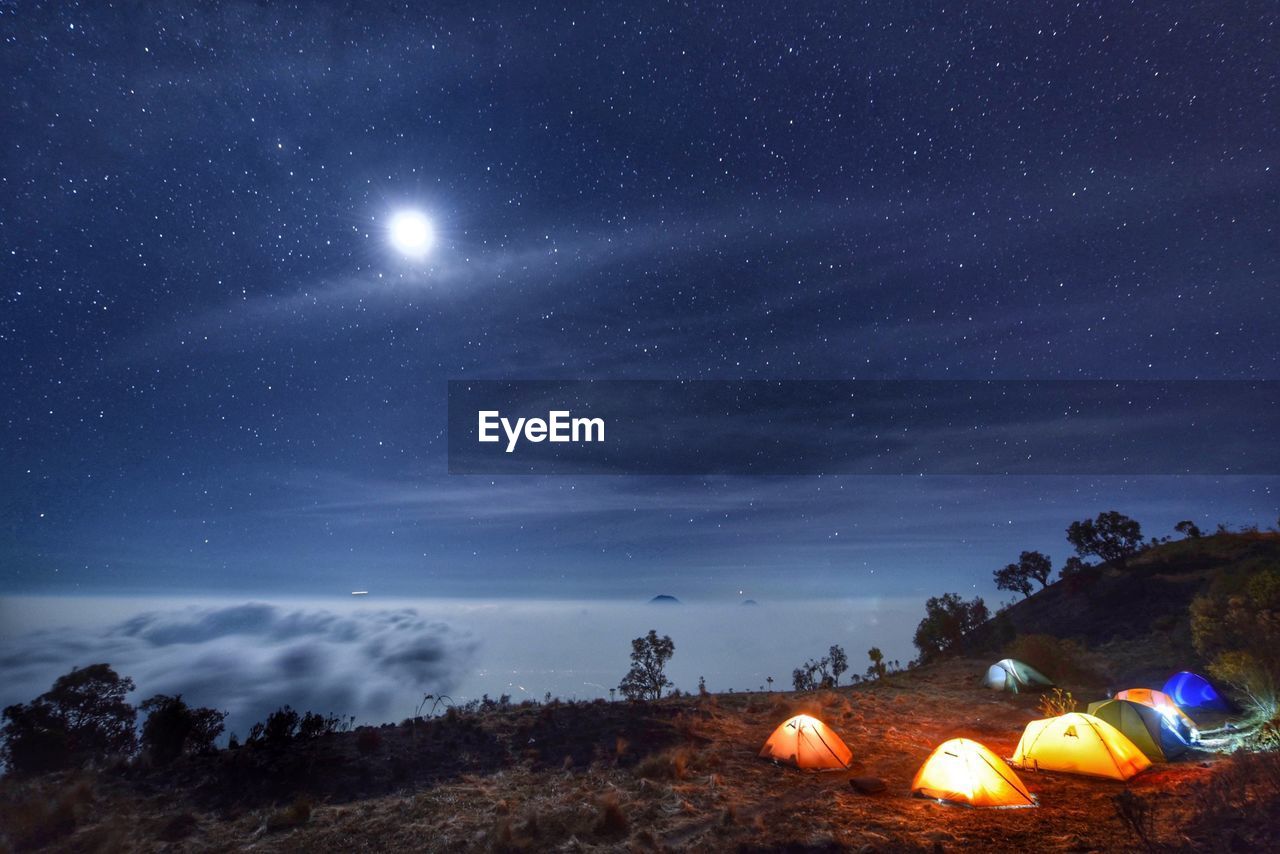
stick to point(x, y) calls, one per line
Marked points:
point(683, 773)
point(1138, 614)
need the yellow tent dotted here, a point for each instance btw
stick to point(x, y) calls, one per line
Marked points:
point(1165, 705)
point(965, 772)
point(1078, 744)
point(807, 742)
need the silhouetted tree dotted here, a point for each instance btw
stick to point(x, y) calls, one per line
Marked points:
point(1111, 537)
point(173, 728)
point(839, 662)
point(1189, 529)
point(877, 669)
point(948, 619)
point(1031, 566)
point(279, 729)
point(813, 674)
point(800, 679)
point(647, 679)
point(1011, 577)
point(81, 720)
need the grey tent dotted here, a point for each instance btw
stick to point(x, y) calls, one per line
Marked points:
point(1012, 675)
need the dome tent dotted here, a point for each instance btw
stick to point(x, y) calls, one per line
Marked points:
point(966, 773)
point(1155, 735)
point(1009, 674)
point(1078, 744)
point(1193, 691)
point(808, 743)
point(1165, 705)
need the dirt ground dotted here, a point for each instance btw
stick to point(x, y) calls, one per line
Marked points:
point(677, 775)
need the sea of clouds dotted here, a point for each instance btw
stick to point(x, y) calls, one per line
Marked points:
point(378, 662)
point(249, 659)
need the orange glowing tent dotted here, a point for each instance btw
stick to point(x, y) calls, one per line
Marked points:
point(808, 743)
point(1078, 744)
point(1165, 705)
point(965, 772)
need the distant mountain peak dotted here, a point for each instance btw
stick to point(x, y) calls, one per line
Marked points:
point(750, 602)
point(664, 599)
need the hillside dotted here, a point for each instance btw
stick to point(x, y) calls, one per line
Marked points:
point(683, 773)
point(678, 774)
point(1142, 606)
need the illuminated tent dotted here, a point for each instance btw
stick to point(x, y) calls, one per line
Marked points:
point(1165, 705)
point(807, 742)
point(1154, 734)
point(1011, 675)
point(964, 772)
point(1078, 744)
point(1193, 691)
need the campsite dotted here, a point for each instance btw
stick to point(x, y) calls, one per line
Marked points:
point(1021, 742)
point(676, 774)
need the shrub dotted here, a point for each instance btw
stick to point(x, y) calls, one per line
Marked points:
point(296, 814)
point(1057, 702)
point(1235, 808)
point(279, 729)
point(1061, 659)
point(612, 821)
point(173, 728)
point(40, 817)
point(668, 765)
point(313, 725)
point(1238, 630)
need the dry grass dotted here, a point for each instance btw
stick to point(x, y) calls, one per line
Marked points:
point(43, 812)
point(679, 775)
point(295, 815)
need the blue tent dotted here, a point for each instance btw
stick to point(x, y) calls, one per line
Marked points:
point(1194, 691)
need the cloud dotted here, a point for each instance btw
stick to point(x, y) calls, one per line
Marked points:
point(250, 659)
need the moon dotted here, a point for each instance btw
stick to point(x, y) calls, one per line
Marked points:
point(411, 233)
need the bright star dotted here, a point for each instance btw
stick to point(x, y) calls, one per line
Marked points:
point(411, 234)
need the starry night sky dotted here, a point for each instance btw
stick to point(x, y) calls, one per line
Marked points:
point(218, 376)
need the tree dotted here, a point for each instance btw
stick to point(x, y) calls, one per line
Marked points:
point(1031, 566)
point(814, 674)
point(647, 678)
point(1074, 566)
point(1012, 578)
point(1111, 537)
point(948, 619)
point(1037, 566)
point(800, 679)
point(877, 669)
point(1189, 529)
point(280, 728)
point(173, 728)
point(839, 663)
point(81, 720)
